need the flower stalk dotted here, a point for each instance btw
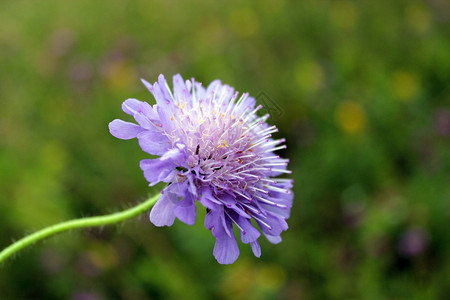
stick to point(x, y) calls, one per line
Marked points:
point(77, 224)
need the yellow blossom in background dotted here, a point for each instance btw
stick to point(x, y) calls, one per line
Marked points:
point(102, 256)
point(250, 281)
point(309, 76)
point(244, 22)
point(120, 75)
point(344, 14)
point(418, 18)
point(350, 117)
point(405, 85)
point(273, 5)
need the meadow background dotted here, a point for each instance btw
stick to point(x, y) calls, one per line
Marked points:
point(358, 88)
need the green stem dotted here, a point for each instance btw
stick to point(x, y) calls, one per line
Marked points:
point(76, 224)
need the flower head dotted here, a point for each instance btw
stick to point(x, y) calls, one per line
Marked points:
point(212, 148)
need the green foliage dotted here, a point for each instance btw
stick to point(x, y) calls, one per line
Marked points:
point(363, 92)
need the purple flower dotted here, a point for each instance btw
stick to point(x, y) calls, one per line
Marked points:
point(213, 148)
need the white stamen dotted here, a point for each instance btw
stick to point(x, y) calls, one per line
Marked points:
point(282, 171)
point(262, 222)
point(275, 149)
point(264, 200)
point(277, 189)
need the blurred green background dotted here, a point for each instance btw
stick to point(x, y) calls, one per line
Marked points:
point(362, 89)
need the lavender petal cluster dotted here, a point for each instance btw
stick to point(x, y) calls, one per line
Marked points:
point(213, 148)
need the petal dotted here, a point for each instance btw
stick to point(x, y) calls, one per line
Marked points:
point(163, 168)
point(200, 91)
point(249, 103)
point(124, 130)
point(159, 97)
point(149, 111)
point(147, 116)
point(226, 249)
point(186, 214)
point(213, 221)
point(277, 224)
point(131, 106)
point(227, 226)
point(162, 213)
point(192, 188)
point(158, 91)
point(164, 87)
point(180, 90)
point(226, 93)
point(250, 233)
point(153, 142)
point(256, 248)
point(147, 85)
point(216, 84)
point(228, 200)
point(283, 212)
point(164, 116)
point(284, 197)
point(178, 189)
point(207, 199)
point(186, 210)
point(156, 170)
point(273, 239)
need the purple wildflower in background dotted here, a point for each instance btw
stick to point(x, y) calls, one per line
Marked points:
point(213, 148)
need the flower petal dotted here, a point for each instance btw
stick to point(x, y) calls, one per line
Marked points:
point(180, 90)
point(216, 84)
point(147, 85)
point(164, 116)
point(277, 224)
point(256, 248)
point(207, 199)
point(186, 210)
point(147, 117)
point(201, 92)
point(163, 168)
point(162, 213)
point(124, 130)
point(179, 189)
point(131, 106)
point(250, 233)
point(226, 249)
point(227, 226)
point(273, 239)
point(283, 212)
point(164, 88)
point(156, 170)
point(153, 142)
point(214, 221)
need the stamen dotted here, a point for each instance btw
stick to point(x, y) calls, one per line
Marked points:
point(288, 180)
point(268, 180)
point(262, 222)
point(259, 142)
point(271, 129)
point(170, 92)
point(244, 196)
point(275, 164)
point(258, 189)
point(277, 189)
point(266, 201)
point(251, 208)
point(281, 171)
point(274, 143)
point(275, 149)
point(237, 225)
